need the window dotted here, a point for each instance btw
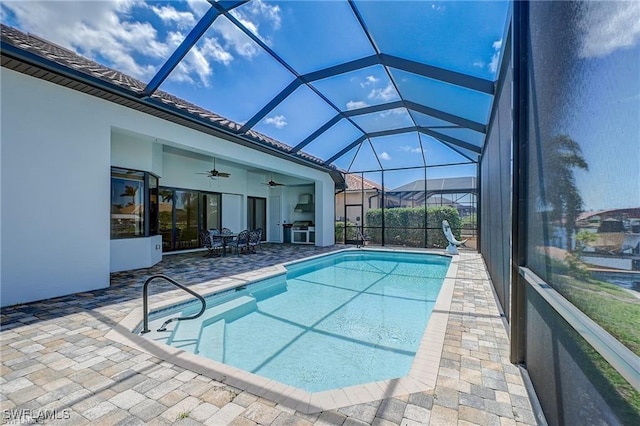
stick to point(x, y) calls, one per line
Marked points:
point(183, 213)
point(257, 214)
point(134, 203)
point(583, 197)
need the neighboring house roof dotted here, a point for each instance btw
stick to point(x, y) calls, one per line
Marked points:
point(633, 212)
point(441, 201)
point(355, 182)
point(416, 190)
point(454, 184)
point(29, 54)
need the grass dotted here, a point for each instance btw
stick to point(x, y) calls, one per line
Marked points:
point(618, 312)
point(619, 394)
point(613, 308)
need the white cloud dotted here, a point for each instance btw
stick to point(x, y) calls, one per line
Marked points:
point(252, 15)
point(479, 64)
point(356, 104)
point(198, 62)
point(608, 26)
point(395, 111)
point(200, 7)
point(110, 32)
point(168, 14)
point(368, 81)
point(279, 121)
point(411, 149)
point(258, 8)
point(211, 48)
point(384, 156)
point(95, 29)
point(386, 94)
point(493, 65)
point(236, 40)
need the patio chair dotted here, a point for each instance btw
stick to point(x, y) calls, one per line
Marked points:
point(217, 242)
point(254, 240)
point(209, 242)
point(260, 232)
point(240, 243)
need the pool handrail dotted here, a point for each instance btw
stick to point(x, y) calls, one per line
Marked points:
point(145, 303)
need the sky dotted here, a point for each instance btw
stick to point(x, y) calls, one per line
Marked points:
point(610, 144)
point(228, 73)
point(603, 105)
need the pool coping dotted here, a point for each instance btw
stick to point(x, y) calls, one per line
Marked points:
point(421, 377)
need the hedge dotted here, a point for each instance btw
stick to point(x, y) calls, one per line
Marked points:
point(405, 226)
point(351, 231)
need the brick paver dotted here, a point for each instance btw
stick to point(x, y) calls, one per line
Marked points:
point(54, 356)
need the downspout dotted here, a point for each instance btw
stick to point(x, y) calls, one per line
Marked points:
point(377, 194)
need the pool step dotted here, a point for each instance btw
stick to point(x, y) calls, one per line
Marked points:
point(186, 334)
point(279, 286)
point(211, 340)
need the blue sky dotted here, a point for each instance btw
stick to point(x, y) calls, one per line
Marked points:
point(228, 73)
point(604, 116)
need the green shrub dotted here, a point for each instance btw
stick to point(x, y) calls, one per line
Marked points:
point(339, 231)
point(406, 226)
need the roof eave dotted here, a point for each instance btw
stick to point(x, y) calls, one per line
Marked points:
point(15, 58)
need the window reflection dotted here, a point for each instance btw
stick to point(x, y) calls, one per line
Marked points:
point(134, 210)
point(127, 207)
point(584, 161)
point(183, 213)
point(153, 205)
point(186, 214)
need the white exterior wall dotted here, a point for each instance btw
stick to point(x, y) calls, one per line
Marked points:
point(609, 262)
point(55, 191)
point(135, 253)
point(325, 212)
point(57, 149)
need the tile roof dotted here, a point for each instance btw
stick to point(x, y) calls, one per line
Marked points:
point(357, 182)
point(69, 59)
point(439, 184)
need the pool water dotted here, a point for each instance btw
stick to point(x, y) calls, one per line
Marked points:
point(340, 320)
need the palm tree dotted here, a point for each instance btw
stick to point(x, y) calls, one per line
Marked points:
point(562, 156)
point(130, 191)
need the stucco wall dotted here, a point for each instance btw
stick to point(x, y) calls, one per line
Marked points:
point(57, 149)
point(55, 191)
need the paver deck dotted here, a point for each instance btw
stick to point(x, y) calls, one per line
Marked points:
point(57, 362)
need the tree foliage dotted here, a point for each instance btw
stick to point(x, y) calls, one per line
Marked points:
point(406, 226)
point(562, 156)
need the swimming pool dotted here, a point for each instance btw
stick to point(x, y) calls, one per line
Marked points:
point(337, 321)
point(421, 376)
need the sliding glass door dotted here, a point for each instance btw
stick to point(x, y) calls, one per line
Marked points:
point(183, 213)
point(186, 220)
point(257, 214)
point(212, 217)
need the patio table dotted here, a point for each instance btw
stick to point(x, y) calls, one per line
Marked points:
point(226, 239)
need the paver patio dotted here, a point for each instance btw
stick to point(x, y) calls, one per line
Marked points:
point(56, 360)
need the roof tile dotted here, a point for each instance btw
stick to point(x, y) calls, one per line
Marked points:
point(70, 59)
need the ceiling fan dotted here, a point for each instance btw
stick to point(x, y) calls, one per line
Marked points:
point(214, 174)
point(272, 183)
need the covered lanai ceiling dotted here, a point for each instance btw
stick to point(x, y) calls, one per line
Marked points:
point(359, 85)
